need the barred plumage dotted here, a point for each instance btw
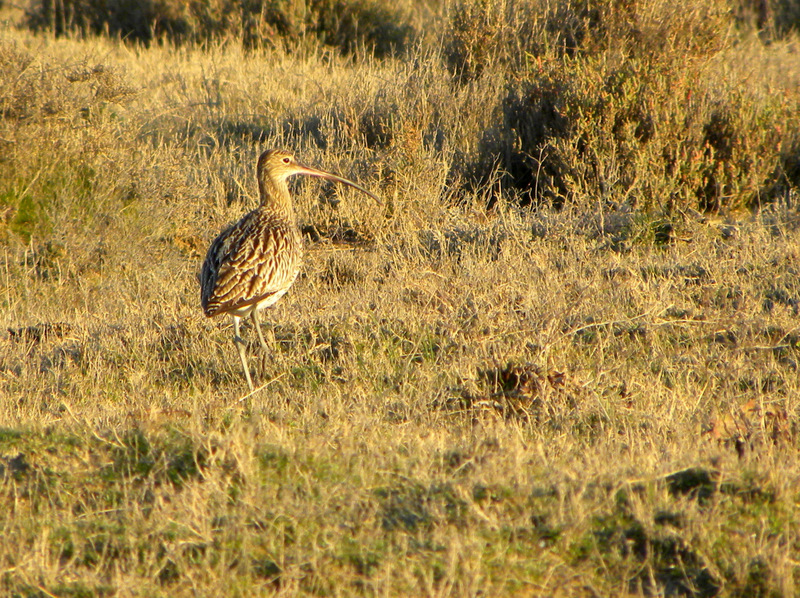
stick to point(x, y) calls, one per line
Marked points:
point(252, 263)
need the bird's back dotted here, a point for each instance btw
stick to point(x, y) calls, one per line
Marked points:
point(251, 263)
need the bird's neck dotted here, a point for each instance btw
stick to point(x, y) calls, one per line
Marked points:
point(275, 197)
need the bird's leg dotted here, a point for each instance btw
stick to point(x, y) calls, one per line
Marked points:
point(257, 324)
point(239, 342)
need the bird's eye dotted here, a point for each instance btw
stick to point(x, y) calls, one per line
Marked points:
point(286, 160)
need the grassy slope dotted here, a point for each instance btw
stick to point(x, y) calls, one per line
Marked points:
point(461, 402)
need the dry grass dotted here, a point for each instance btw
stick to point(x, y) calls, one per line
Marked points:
point(596, 400)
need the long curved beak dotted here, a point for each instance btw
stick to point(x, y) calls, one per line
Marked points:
point(303, 169)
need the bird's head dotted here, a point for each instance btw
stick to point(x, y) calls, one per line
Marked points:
point(278, 165)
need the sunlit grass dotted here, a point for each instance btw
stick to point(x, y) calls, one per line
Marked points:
point(470, 391)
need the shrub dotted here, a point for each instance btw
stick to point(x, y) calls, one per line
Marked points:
point(48, 117)
point(491, 34)
point(638, 106)
point(641, 135)
point(345, 24)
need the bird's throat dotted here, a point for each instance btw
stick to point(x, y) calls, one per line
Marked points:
point(275, 197)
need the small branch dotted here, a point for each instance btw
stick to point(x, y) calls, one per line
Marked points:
point(260, 388)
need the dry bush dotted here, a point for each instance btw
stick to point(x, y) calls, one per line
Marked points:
point(485, 35)
point(344, 24)
point(128, 19)
point(644, 106)
point(775, 19)
point(32, 91)
point(508, 34)
point(46, 99)
point(648, 136)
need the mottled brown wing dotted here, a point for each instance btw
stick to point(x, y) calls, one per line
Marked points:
point(251, 260)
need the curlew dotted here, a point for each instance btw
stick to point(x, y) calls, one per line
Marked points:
point(252, 263)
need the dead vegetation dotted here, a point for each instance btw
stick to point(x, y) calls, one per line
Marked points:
point(560, 359)
point(347, 25)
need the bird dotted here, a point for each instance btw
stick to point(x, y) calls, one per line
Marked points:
point(253, 262)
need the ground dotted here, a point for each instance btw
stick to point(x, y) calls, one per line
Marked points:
point(473, 388)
